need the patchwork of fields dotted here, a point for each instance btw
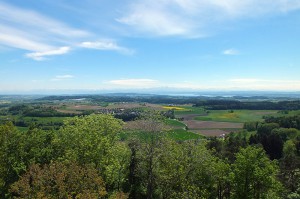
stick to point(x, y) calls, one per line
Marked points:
point(219, 122)
point(190, 121)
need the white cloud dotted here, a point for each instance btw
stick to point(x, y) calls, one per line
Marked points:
point(28, 18)
point(253, 84)
point(155, 18)
point(62, 77)
point(134, 83)
point(196, 17)
point(39, 56)
point(105, 45)
point(155, 21)
point(43, 36)
point(16, 38)
point(230, 52)
point(29, 30)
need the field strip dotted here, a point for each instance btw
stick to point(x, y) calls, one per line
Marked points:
point(193, 124)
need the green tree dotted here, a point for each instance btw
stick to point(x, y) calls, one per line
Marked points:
point(290, 166)
point(222, 180)
point(146, 152)
point(149, 153)
point(59, 180)
point(18, 150)
point(11, 157)
point(254, 175)
point(94, 140)
point(37, 146)
point(172, 175)
point(134, 179)
point(188, 170)
point(233, 143)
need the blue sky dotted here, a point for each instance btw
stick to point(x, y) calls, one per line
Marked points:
point(192, 45)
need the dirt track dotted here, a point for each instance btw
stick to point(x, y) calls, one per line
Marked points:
point(194, 124)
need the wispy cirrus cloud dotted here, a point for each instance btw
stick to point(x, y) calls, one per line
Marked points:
point(21, 39)
point(105, 45)
point(32, 31)
point(28, 18)
point(43, 36)
point(62, 77)
point(39, 56)
point(195, 17)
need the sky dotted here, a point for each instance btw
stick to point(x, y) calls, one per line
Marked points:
point(124, 45)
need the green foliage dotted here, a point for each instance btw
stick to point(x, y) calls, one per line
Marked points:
point(150, 162)
point(229, 104)
point(59, 180)
point(250, 126)
point(290, 166)
point(37, 146)
point(93, 140)
point(36, 111)
point(20, 149)
point(254, 175)
point(162, 168)
point(176, 135)
point(11, 156)
point(233, 144)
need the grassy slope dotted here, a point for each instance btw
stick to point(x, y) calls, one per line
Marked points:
point(175, 123)
point(182, 135)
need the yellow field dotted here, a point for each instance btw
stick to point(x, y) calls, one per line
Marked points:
point(176, 108)
point(229, 115)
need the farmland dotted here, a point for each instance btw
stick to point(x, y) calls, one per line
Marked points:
point(185, 118)
point(138, 132)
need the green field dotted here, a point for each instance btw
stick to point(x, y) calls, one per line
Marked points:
point(175, 123)
point(190, 110)
point(175, 134)
point(236, 115)
point(182, 135)
point(43, 122)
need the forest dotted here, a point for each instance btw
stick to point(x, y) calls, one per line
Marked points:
point(87, 156)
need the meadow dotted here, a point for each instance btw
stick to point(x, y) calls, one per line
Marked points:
point(174, 134)
point(241, 116)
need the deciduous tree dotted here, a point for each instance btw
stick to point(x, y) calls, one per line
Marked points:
point(254, 175)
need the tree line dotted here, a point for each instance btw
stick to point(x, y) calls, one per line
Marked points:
point(211, 103)
point(245, 105)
